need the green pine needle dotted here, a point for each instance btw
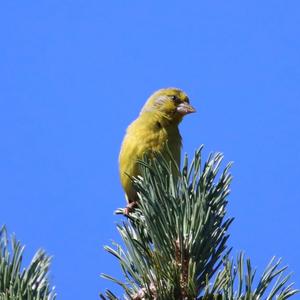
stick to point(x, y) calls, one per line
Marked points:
point(175, 242)
point(23, 284)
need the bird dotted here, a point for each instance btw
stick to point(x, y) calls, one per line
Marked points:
point(154, 131)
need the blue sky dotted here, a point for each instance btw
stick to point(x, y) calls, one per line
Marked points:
point(74, 74)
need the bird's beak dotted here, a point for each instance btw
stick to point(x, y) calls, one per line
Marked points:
point(184, 108)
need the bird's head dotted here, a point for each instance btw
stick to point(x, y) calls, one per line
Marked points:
point(171, 103)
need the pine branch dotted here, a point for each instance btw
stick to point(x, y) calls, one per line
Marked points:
point(31, 283)
point(177, 237)
point(175, 241)
point(236, 282)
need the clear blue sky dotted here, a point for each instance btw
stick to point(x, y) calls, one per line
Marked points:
point(74, 74)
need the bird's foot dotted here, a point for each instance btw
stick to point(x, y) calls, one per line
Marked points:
point(130, 208)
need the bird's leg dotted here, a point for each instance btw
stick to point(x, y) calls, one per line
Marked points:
point(130, 207)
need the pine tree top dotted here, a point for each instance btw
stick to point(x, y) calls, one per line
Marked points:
point(175, 242)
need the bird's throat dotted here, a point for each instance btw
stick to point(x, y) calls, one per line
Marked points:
point(167, 119)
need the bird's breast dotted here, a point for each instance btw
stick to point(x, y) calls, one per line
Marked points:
point(145, 138)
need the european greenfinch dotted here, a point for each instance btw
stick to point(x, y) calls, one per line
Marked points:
point(155, 130)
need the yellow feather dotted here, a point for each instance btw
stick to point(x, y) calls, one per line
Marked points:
point(156, 126)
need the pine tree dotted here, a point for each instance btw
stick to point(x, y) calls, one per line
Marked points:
point(175, 242)
point(32, 282)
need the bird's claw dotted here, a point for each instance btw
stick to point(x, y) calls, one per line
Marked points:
point(130, 208)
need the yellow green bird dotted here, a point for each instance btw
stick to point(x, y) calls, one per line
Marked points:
point(156, 126)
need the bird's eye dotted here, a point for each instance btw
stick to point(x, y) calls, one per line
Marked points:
point(175, 99)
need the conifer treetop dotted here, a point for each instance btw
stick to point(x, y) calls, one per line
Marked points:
point(175, 242)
